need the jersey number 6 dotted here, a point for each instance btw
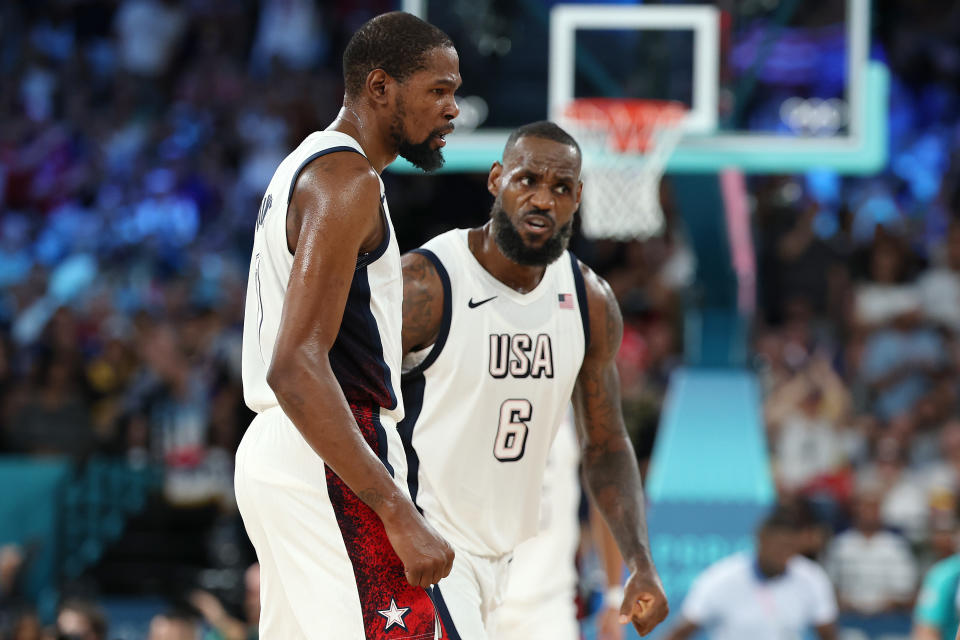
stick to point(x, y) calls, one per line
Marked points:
point(512, 431)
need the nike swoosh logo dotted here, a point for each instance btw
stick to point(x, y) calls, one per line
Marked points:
point(474, 305)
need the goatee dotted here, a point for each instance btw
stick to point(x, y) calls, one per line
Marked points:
point(419, 154)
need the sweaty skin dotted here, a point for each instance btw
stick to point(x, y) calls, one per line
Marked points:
point(541, 177)
point(334, 216)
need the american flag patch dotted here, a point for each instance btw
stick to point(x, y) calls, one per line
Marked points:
point(566, 300)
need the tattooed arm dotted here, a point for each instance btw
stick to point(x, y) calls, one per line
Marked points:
point(609, 463)
point(422, 302)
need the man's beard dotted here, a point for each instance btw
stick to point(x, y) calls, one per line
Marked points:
point(511, 243)
point(420, 154)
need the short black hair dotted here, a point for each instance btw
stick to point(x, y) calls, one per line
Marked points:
point(784, 518)
point(396, 42)
point(541, 129)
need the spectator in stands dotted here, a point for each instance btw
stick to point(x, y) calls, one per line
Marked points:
point(11, 564)
point(803, 416)
point(148, 34)
point(873, 570)
point(944, 534)
point(174, 625)
point(939, 285)
point(26, 626)
point(944, 476)
point(55, 418)
point(905, 506)
point(225, 626)
point(774, 593)
point(901, 356)
point(80, 619)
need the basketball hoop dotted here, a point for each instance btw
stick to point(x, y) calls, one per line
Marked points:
point(626, 144)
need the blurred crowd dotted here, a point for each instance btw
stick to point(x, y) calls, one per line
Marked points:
point(138, 136)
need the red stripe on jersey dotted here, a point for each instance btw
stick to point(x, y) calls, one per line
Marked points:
point(376, 567)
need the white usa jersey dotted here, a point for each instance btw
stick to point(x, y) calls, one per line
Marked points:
point(485, 402)
point(366, 355)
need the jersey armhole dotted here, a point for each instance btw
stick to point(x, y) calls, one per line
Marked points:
point(370, 257)
point(447, 313)
point(296, 176)
point(581, 299)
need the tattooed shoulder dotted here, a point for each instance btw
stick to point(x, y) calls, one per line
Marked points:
point(422, 302)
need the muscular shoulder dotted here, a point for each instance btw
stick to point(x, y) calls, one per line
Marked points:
point(339, 191)
point(340, 176)
point(422, 301)
point(606, 321)
point(419, 273)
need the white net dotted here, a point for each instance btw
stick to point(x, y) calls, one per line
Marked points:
point(626, 145)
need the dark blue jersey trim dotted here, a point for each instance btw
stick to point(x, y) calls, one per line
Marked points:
point(373, 256)
point(447, 311)
point(581, 299)
point(358, 362)
point(311, 158)
point(412, 387)
point(363, 282)
point(441, 606)
point(413, 382)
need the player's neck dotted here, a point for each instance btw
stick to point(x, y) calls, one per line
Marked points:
point(362, 127)
point(518, 277)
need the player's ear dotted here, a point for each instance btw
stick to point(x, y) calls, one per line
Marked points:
point(379, 86)
point(579, 191)
point(493, 179)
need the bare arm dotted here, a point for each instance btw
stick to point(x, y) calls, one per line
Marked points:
point(682, 631)
point(609, 463)
point(925, 632)
point(216, 616)
point(606, 546)
point(333, 216)
point(422, 302)
point(827, 632)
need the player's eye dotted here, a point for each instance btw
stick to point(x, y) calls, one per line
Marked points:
point(526, 181)
point(562, 189)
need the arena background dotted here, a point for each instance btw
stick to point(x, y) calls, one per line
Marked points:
point(791, 331)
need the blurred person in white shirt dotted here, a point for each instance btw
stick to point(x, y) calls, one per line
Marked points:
point(773, 593)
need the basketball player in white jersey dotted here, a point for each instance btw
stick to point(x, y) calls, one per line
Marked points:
point(320, 473)
point(534, 607)
point(503, 326)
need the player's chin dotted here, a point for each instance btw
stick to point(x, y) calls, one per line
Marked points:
point(534, 241)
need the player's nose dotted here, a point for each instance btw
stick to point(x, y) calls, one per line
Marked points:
point(452, 109)
point(542, 198)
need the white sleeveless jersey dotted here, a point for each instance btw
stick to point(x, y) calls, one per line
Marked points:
point(552, 551)
point(366, 356)
point(484, 404)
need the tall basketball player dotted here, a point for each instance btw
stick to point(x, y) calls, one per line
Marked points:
point(320, 473)
point(503, 325)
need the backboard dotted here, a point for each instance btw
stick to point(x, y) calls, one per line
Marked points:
point(772, 85)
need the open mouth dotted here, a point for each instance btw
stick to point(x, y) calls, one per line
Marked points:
point(537, 223)
point(441, 136)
